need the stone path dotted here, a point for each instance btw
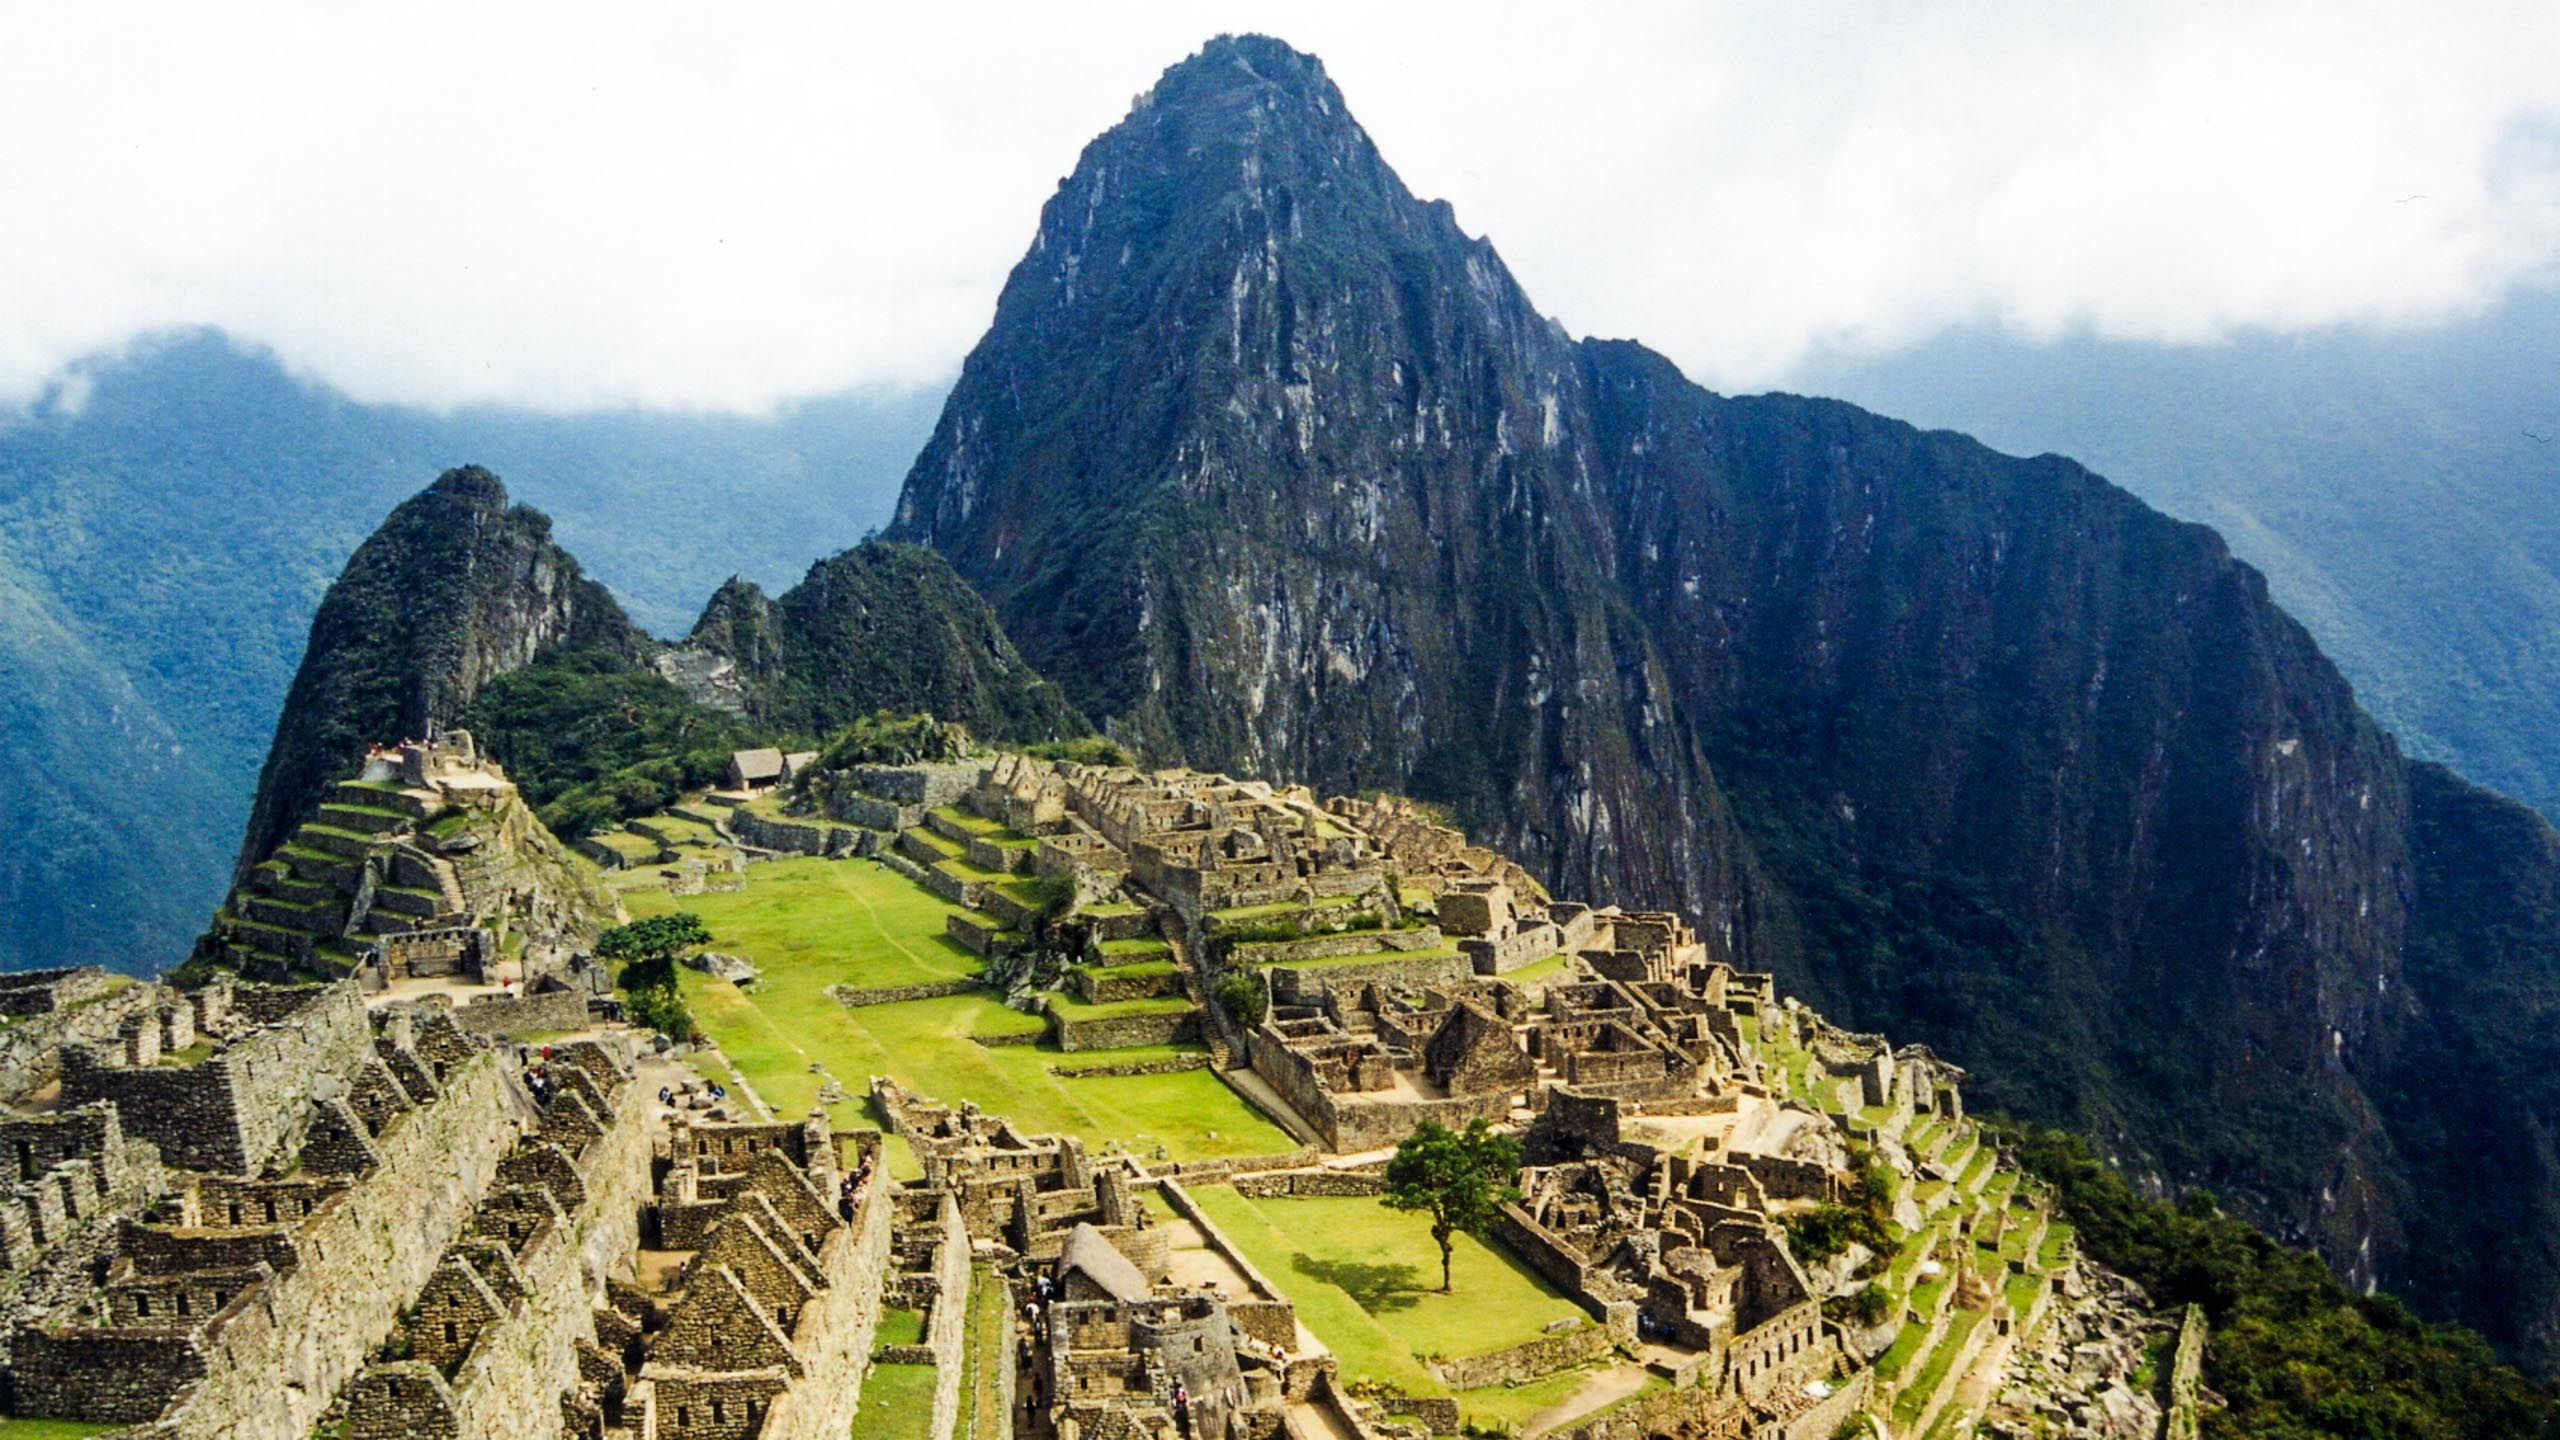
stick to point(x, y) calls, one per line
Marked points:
point(1319, 1422)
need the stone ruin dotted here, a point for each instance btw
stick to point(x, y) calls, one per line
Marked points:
point(406, 872)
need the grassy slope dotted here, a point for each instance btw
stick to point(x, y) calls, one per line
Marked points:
point(814, 923)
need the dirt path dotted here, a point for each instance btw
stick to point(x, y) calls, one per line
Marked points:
point(1603, 1388)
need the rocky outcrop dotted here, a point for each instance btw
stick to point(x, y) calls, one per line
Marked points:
point(457, 587)
point(1278, 471)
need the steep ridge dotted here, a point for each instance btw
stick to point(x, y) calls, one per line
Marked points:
point(455, 588)
point(1277, 471)
point(877, 627)
point(459, 588)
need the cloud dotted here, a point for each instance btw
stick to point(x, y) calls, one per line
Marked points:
point(573, 206)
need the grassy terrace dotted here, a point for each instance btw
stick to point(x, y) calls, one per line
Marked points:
point(973, 824)
point(813, 923)
point(1143, 945)
point(1088, 1060)
point(982, 1409)
point(1933, 1372)
point(897, 1404)
point(53, 1429)
point(1538, 970)
point(898, 1327)
point(1365, 1279)
point(871, 924)
point(1071, 1009)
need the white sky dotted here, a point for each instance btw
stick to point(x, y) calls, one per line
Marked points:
point(567, 206)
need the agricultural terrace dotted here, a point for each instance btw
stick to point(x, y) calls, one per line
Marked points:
point(809, 924)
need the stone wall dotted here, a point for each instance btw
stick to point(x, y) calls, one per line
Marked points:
point(1120, 1032)
point(1544, 1252)
point(523, 1014)
point(361, 1258)
point(231, 1113)
point(852, 995)
point(1331, 1183)
point(509, 1386)
point(800, 837)
point(1322, 947)
point(1437, 971)
point(926, 785)
point(31, 1050)
point(1527, 1360)
point(835, 1334)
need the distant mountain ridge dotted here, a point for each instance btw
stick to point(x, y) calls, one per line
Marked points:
point(1277, 471)
point(163, 546)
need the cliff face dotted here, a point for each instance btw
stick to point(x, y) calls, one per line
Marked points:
point(877, 627)
point(455, 588)
point(1277, 471)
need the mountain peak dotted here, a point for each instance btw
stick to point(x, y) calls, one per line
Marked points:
point(1248, 66)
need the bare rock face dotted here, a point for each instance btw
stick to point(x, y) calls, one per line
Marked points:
point(1275, 470)
point(2081, 1374)
point(456, 588)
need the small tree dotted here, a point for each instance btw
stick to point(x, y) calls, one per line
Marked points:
point(646, 951)
point(1459, 1176)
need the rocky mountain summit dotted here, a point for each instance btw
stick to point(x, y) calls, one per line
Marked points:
point(1277, 470)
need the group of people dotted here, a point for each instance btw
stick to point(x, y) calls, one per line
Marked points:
point(849, 1191)
point(537, 1074)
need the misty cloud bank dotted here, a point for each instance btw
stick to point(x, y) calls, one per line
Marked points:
point(588, 206)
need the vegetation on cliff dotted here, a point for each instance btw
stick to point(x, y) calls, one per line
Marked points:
point(593, 739)
point(2292, 1354)
point(880, 627)
point(457, 587)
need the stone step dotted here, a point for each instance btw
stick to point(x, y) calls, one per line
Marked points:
point(275, 877)
point(364, 819)
point(409, 900)
point(286, 914)
point(347, 844)
point(321, 867)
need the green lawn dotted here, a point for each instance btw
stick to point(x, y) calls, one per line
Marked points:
point(1537, 970)
point(54, 1429)
point(898, 1327)
point(982, 1410)
point(1906, 1344)
point(1366, 1280)
point(874, 927)
point(973, 824)
point(897, 1403)
point(1514, 1405)
point(867, 923)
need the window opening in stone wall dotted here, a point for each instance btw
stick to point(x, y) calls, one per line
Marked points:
point(26, 1160)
